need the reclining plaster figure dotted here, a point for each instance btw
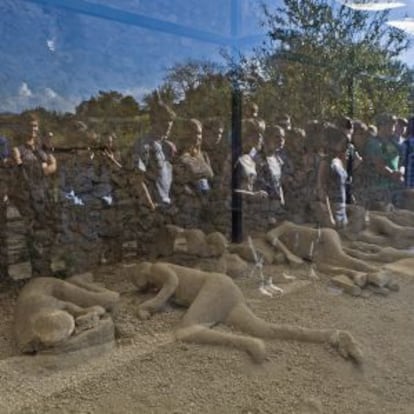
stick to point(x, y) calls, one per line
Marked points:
point(56, 316)
point(381, 228)
point(214, 298)
point(197, 243)
point(320, 246)
point(367, 251)
point(398, 216)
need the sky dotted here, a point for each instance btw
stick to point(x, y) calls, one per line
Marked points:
point(56, 53)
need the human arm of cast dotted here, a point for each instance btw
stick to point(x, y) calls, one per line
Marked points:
point(168, 280)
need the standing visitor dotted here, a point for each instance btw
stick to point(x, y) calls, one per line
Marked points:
point(30, 195)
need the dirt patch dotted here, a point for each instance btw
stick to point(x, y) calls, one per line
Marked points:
point(147, 372)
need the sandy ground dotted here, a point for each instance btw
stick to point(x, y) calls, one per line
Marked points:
point(147, 372)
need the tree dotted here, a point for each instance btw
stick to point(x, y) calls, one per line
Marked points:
point(186, 77)
point(323, 59)
point(165, 92)
point(108, 104)
point(201, 88)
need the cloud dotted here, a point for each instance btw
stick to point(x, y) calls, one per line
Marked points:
point(51, 45)
point(372, 5)
point(405, 24)
point(50, 93)
point(24, 91)
point(138, 92)
point(46, 97)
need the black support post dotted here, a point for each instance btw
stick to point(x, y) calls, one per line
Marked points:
point(236, 199)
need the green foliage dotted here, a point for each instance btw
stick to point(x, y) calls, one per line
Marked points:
point(108, 104)
point(199, 89)
point(165, 92)
point(112, 111)
point(323, 59)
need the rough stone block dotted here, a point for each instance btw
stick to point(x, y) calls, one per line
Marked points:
point(366, 293)
point(345, 283)
point(19, 271)
point(58, 265)
point(383, 291)
point(380, 279)
point(394, 286)
point(360, 279)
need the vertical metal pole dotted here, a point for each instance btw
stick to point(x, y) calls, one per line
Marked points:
point(351, 84)
point(236, 199)
point(351, 96)
point(236, 115)
point(351, 113)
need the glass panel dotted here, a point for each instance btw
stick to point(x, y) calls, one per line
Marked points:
point(208, 16)
point(222, 135)
point(90, 69)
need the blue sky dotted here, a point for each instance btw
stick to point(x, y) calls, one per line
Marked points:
point(56, 53)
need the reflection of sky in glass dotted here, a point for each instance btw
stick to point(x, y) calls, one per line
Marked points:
point(54, 57)
point(404, 24)
point(212, 16)
point(401, 17)
point(373, 5)
point(57, 52)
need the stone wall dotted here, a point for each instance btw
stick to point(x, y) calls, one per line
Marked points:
point(95, 232)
